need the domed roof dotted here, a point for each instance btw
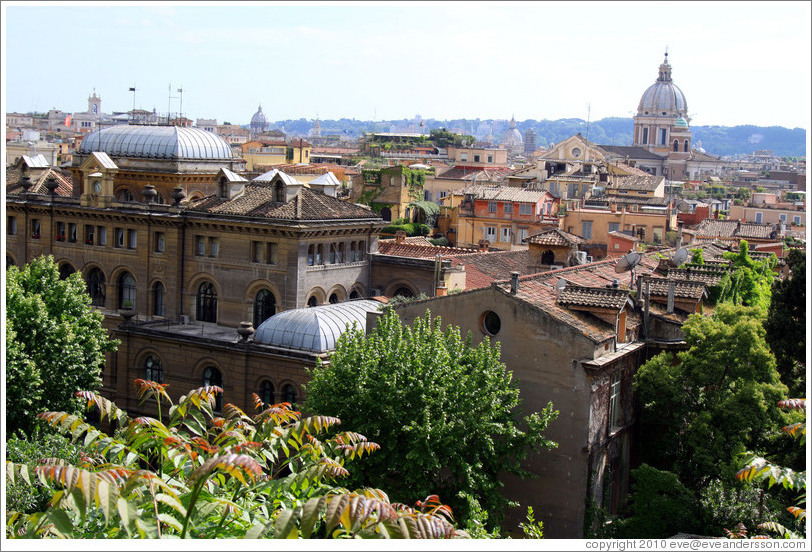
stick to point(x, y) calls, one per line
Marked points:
point(314, 329)
point(681, 122)
point(512, 138)
point(156, 142)
point(259, 119)
point(663, 98)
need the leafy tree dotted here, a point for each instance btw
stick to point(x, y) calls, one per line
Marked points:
point(751, 281)
point(55, 342)
point(704, 406)
point(200, 476)
point(786, 323)
point(426, 393)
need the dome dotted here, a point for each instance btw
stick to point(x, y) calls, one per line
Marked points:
point(259, 121)
point(663, 98)
point(314, 329)
point(512, 138)
point(681, 122)
point(156, 142)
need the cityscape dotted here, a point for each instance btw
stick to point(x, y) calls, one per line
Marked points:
point(223, 286)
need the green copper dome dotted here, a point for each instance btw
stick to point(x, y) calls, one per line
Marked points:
point(681, 122)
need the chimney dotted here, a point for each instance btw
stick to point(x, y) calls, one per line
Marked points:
point(671, 286)
point(400, 236)
point(441, 291)
point(613, 206)
point(514, 283)
point(484, 245)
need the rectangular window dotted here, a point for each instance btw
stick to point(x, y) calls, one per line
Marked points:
point(782, 217)
point(615, 410)
point(272, 250)
point(60, 231)
point(505, 235)
point(119, 237)
point(490, 233)
point(341, 248)
point(796, 220)
point(361, 248)
point(476, 158)
point(90, 234)
point(758, 217)
point(214, 247)
point(101, 232)
point(200, 245)
point(490, 159)
point(319, 254)
point(645, 136)
point(662, 137)
point(463, 157)
point(521, 234)
point(311, 252)
point(132, 239)
point(491, 206)
point(72, 232)
point(441, 195)
point(525, 209)
point(614, 226)
point(352, 252)
point(160, 242)
point(586, 229)
point(332, 248)
point(35, 229)
point(507, 208)
point(11, 226)
point(427, 195)
point(258, 253)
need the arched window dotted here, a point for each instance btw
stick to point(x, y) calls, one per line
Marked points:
point(403, 292)
point(685, 147)
point(352, 252)
point(264, 307)
point(676, 145)
point(289, 394)
point(360, 255)
point(341, 252)
point(548, 257)
point(212, 376)
point(332, 248)
point(312, 302)
point(126, 291)
point(266, 393)
point(96, 287)
point(386, 214)
point(65, 270)
point(354, 295)
point(153, 371)
point(206, 303)
point(158, 294)
point(333, 299)
point(125, 195)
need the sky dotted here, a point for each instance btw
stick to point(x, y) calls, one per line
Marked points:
point(736, 62)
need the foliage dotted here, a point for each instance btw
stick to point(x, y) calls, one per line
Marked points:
point(725, 505)
point(451, 405)
point(443, 138)
point(759, 470)
point(532, 529)
point(411, 229)
point(751, 281)
point(697, 257)
point(197, 475)
point(400, 299)
point(55, 342)
point(660, 505)
point(442, 242)
point(687, 399)
point(786, 323)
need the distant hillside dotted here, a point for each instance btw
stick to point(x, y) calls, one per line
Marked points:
point(716, 140)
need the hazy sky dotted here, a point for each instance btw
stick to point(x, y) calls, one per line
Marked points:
point(736, 62)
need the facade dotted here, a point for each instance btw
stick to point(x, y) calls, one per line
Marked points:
point(260, 154)
point(594, 224)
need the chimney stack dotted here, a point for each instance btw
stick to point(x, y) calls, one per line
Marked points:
point(484, 245)
point(441, 291)
point(514, 283)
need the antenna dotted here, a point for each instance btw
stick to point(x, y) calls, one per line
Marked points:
point(180, 91)
point(132, 89)
point(560, 285)
point(627, 263)
point(588, 113)
point(679, 257)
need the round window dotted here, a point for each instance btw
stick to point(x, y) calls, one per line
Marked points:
point(491, 323)
point(576, 152)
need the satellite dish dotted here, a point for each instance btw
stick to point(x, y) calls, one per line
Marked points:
point(627, 262)
point(679, 257)
point(560, 285)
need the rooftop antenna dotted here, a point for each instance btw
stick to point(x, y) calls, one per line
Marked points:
point(560, 285)
point(627, 263)
point(132, 89)
point(679, 257)
point(588, 113)
point(180, 91)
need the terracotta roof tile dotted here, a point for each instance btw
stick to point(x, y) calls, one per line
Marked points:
point(683, 289)
point(581, 296)
point(646, 183)
point(555, 236)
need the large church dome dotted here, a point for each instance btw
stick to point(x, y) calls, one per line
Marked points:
point(156, 142)
point(259, 122)
point(663, 98)
point(512, 139)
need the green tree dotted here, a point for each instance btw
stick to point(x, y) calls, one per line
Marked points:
point(750, 283)
point(786, 323)
point(703, 406)
point(444, 412)
point(55, 342)
point(190, 474)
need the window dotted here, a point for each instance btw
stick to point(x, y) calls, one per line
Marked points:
point(11, 226)
point(758, 217)
point(289, 394)
point(126, 291)
point(615, 410)
point(101, 232)
point(463, 157)
point(491, 206)
point(312, 302)
point(676, 145)
point(132, 239)
point(782, 217)
point(476, 158)
point(491, 323)
point(426, 195)
point(341, 248)
point(505, 234)
point(153, 371)
point(60, 231)
point(332, 249)
point(662, 137)
point(212, 377)
point(90, 234)
point(586, 229)
point(266, 393)
point(614, 226)
point(160, 242)
point(796, 220)
point(72, 232)
point(319, 254)
point(272, 250)
point(521, 234)
point(352, 252)
point(507, 208)
point(645, 136)
point(333, 299)
point(490, 233)
point(206, 303)
point(441, 195)
point(525, 209)
point(65, 270)
point(119, 237)
point(686, 147)
point(264, 307)
point(490, 159)
point(214, 247)
point(96, 287)
point(200, 246)
point(361, 249)
point(158, 294)
point(311, 254)
point(354, 295)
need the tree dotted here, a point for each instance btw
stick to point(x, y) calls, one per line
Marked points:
point(751, 281)
point(703, 406)
point(55, 342)
point(192, 475)
point(443, 411)
point(786, 323)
